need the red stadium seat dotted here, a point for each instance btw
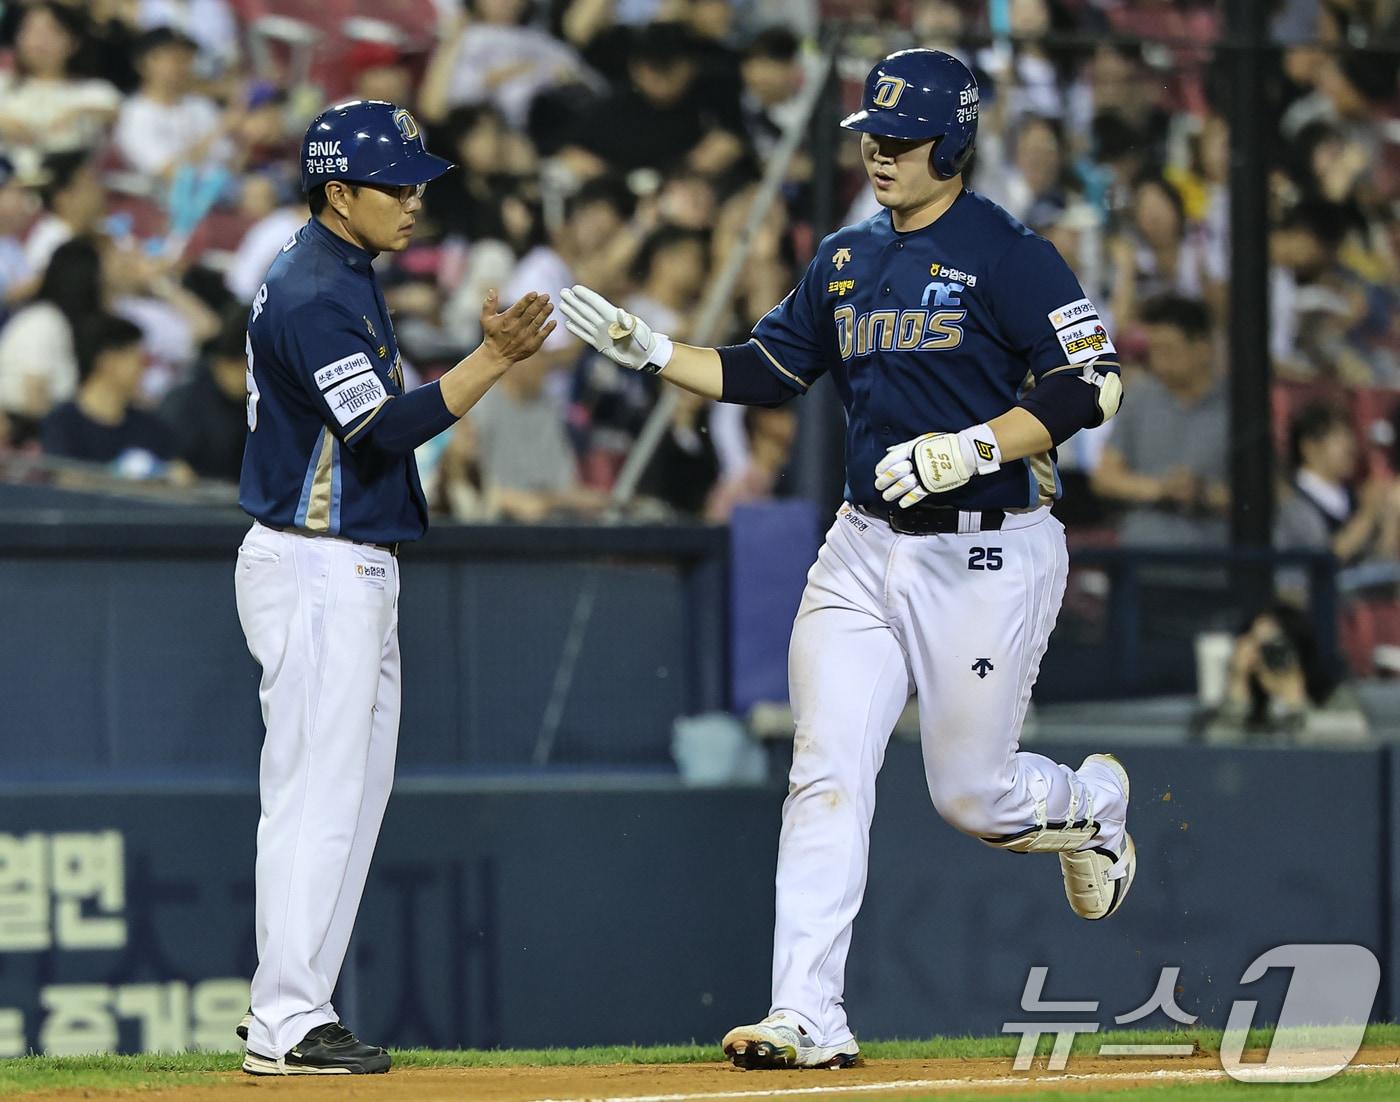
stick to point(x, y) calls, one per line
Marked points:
point(1372, 409)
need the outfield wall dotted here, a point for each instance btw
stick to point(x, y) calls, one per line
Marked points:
point(567, 912)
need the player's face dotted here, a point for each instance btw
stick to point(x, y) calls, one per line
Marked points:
point(900, 172)
point(381, 217)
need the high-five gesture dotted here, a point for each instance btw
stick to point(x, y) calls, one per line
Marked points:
point(518, 332)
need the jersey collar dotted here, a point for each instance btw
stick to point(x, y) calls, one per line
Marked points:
point(351, 255)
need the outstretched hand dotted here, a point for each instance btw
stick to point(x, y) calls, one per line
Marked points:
point(516, 333)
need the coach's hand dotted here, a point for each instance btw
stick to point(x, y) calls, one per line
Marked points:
point(622, 337)
point(936, 463)
point(518, 332)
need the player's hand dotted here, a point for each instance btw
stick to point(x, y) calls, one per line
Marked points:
point(517, 333)
point(622, 337)
point(935, 463)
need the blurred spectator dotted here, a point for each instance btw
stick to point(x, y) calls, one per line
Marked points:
point(610, 404)
point(1023, 69)
point(1320, 511)
point(164, 124)
point(175, 321)
point(772, 81)
point(259, 248)
point(101, 424)
point(491, 56)
point(380, 71)
point(1316, 304)
point(684, 468)
point(1158, 252)
point(207, 416)
point(1280, 687)
point(1166, 460)
point(771, 434)
point(38, 349)
point(589, 247)
point(1035, 186)
point(17, 207)
point(657, 121)
point(527, 468)
point(45, 106)
point(75, 204)
point(452, 475)
point(210, 23)
point(673, 268)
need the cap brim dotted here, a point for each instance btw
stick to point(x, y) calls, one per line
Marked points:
point(414, 170)
point(889, 124)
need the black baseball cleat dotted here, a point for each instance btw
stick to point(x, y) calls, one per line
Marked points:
point(329, 1049)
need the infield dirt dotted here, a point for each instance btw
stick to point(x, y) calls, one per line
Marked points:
point(698, 1081)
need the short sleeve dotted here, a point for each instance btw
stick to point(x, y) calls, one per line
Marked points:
point(333, 358)
point(794, 338)
point(1044, 314)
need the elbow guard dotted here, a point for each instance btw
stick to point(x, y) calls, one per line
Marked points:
point(1066, 401)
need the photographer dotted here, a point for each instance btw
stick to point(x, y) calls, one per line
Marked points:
point(1281, 687)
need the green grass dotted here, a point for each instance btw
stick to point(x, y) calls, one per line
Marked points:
point(35, 1073)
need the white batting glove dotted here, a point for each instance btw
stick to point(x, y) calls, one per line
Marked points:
point(622, 337)
point(936, 463)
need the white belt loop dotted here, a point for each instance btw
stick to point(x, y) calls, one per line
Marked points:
point(969, 523)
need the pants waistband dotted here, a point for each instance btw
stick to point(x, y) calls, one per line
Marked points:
point(392, 548)
point(934, 520)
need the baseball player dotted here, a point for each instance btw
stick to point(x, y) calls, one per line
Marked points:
point(330, 480)
point(964, 351)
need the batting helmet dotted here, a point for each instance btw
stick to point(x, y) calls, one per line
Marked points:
point(367, 141)
point(922, 94)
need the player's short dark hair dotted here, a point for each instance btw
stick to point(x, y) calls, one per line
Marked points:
point(104, 333)
point(773, 44)
point(1190, 315)
point(1313, 422)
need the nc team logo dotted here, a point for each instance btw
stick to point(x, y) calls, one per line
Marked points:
point(407, 124)
point(888, 90)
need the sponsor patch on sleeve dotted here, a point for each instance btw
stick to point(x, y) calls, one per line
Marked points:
point(355, 397)
point(1072, 312)
point(1085, 341)
point(333, 373)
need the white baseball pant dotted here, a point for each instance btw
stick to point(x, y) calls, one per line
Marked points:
point(321, 618)
point(885, 614)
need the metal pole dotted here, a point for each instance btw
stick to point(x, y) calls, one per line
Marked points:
point(1251, 450)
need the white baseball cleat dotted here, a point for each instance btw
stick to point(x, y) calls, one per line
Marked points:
point(779, 1042)
point(1097, 879)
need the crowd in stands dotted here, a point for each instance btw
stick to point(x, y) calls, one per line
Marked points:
point(149, 174)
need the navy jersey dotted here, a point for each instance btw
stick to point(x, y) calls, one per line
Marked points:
point(322, 363)
point(935, 330)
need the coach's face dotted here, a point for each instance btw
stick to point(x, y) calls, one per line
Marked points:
point(900, 171)
point(380, 218)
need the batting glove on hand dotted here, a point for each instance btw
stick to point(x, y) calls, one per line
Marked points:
point(936, 463)
point(622, 337)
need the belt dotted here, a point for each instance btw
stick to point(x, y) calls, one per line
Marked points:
point(392, 548)
point(937, 520)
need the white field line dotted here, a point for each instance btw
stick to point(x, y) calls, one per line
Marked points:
point(1009, 1083)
